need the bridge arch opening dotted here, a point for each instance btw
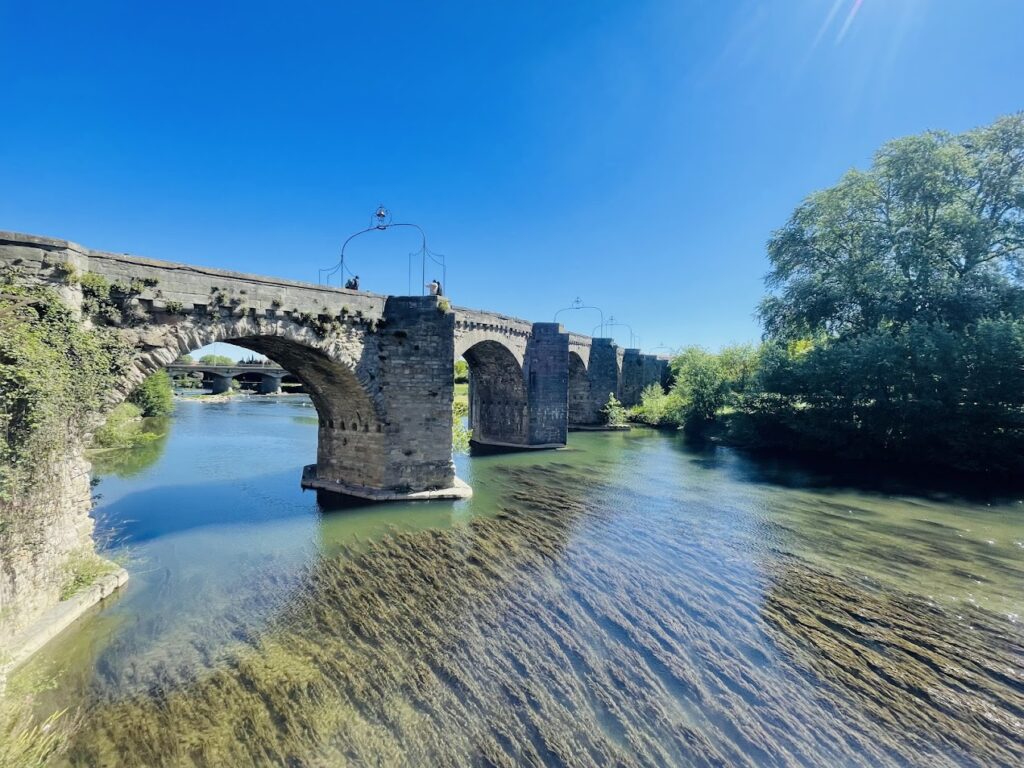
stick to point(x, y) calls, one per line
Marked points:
point(497, 395)
point(258, 381)
point(351, 431)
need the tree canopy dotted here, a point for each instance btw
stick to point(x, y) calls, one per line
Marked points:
point(895, 326)
point(933, 232)
point(216, 360)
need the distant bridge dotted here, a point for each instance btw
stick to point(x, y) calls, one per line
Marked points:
point(379, 369)
point(220, 376)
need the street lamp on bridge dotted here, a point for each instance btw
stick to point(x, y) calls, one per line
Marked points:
point(381, 222)
point(612, 323)
point(578, 304)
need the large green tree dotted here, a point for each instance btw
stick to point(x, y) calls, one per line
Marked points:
point(895, 325)
point(933, 232)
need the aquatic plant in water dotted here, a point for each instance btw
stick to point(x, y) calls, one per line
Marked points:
point(562, 632)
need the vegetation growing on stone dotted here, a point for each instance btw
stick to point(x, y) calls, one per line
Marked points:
point(82, 571)
point(54, 376)
point(113, 303)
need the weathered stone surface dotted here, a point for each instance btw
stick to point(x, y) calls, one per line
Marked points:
point(604, 374)
point(632, 381)
point(518, 379)
point(547, 376)
point(581, 410)
point(34, 555)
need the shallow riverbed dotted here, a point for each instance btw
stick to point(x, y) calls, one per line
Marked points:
point(626, 601)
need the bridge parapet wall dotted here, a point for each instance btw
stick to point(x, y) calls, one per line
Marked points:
point(181, 289)
point(474, 326)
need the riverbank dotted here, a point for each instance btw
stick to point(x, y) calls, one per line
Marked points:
point(59, 617)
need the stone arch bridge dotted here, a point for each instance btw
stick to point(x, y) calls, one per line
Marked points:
point(379, 369)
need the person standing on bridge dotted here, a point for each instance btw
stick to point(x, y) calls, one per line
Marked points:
point(435, 288)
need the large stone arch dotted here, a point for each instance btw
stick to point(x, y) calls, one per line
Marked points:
point(374, 440)
point(351, 444)
point(498, 399)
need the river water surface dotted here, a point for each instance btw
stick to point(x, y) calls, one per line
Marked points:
point(626, 601)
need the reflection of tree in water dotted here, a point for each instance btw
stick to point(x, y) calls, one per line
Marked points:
point(146, 446)
point(556, 633)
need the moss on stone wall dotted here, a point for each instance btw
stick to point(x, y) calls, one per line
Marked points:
point(54, 376)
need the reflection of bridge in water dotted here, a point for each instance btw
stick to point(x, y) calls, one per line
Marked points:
point(378, 369)
point(267, 379)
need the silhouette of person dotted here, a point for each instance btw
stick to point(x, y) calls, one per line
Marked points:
point(353, 283)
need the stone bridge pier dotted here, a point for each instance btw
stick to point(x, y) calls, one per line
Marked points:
point(269, 383)
point(594, 375)
point(639, 371)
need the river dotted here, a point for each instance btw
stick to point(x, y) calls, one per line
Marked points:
point(629, 600)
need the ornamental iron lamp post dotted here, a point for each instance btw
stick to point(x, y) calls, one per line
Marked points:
point(381, 221)
point(578, 304)
point(612, 323)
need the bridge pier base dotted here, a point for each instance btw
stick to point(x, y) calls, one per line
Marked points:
point(220, 384)
point(459, 489)
point(396, 445)
point(270, 385)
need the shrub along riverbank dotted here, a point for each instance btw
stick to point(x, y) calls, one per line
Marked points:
point(894, 329)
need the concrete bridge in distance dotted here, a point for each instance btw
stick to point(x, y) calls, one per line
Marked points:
point(220, 376)
point(379, 369)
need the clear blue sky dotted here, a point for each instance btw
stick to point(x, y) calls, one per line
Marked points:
point(636, 154)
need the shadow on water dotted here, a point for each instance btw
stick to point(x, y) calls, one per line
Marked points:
point(826, 474)
point(163, 510)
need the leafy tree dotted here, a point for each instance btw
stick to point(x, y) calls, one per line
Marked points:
point(659, 408)
point(933, 232)
point(216, 360)
point(185, 360)
point(702, 384)
point(461, 371)
point(615, 413)
point(155, 395)
point(896, 324)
